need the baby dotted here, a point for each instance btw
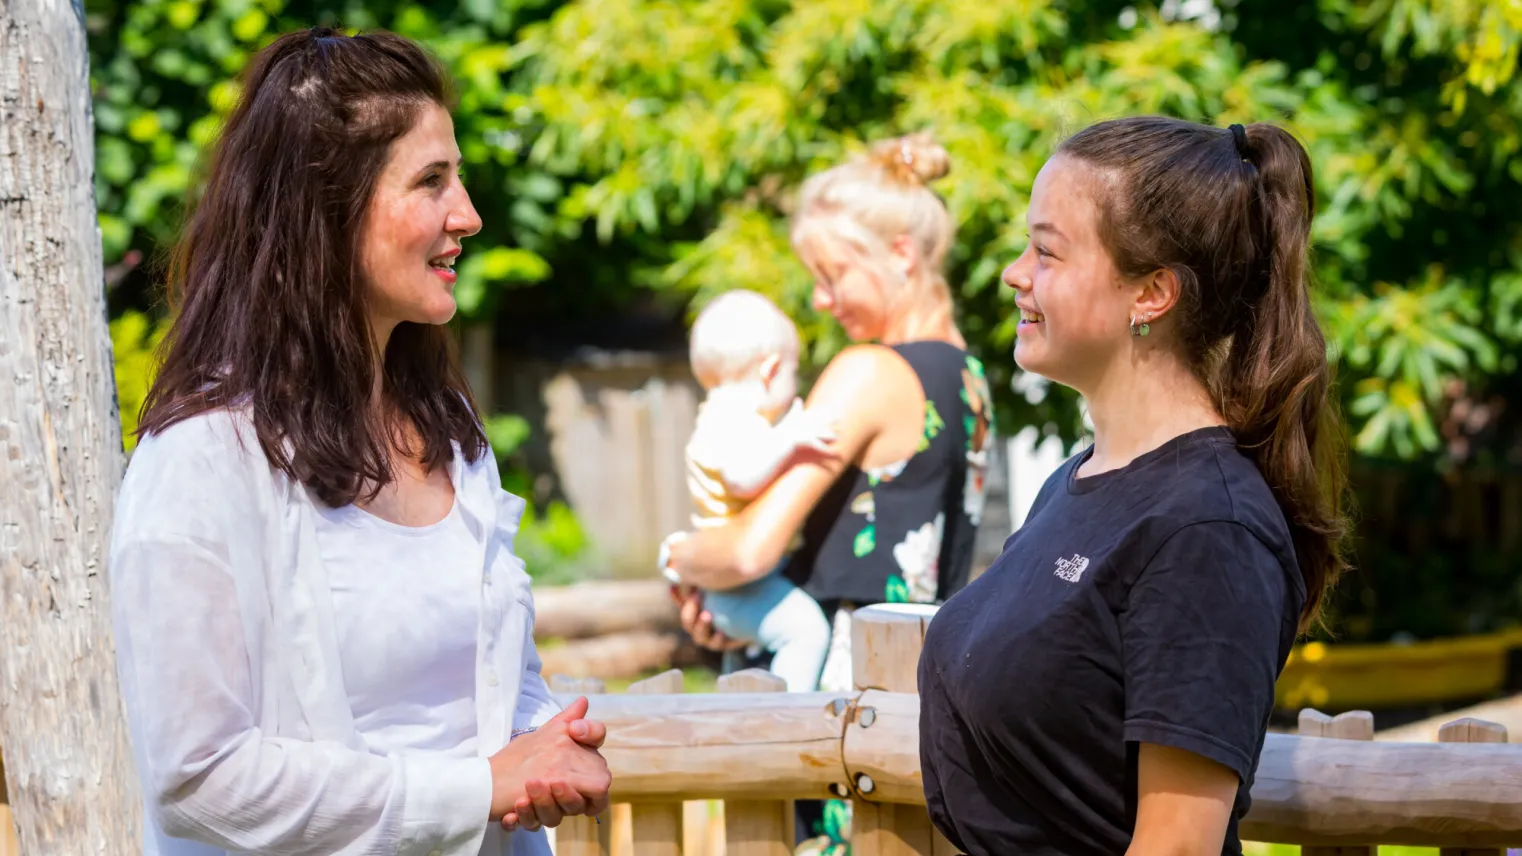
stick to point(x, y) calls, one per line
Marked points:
point(744, 352)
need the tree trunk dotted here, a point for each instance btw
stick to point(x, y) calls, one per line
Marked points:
point(67, 764)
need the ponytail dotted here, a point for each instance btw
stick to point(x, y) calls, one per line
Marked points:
point(1230, 213)
point(1274, 386)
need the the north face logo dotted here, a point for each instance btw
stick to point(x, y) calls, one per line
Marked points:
point(1072, 569)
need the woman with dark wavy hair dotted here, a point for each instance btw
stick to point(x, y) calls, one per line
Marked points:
point(325, 641)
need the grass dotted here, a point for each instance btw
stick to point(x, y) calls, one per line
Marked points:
point(1259, 849)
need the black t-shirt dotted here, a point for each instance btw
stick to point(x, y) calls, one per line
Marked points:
point(1154, 603)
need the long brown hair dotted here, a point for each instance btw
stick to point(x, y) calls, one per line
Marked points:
point(265, 286)
point(1229, 212)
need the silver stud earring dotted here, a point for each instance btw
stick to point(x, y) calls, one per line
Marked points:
point(1141, 329)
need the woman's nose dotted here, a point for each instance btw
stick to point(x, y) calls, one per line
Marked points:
point(463, 219)
point(1017, 274)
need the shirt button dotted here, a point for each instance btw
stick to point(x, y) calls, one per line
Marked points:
point(491, 679)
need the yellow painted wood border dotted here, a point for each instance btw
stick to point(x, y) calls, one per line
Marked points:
point(1344, 677)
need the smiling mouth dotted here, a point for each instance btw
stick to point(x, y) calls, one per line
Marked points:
point(1029, 317)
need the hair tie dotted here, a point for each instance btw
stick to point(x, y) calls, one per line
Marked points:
point(1239, 137)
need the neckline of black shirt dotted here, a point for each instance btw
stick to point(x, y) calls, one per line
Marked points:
point(1087, 484)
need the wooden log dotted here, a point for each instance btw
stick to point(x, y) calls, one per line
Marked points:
point(887, 818)
point(10, 842)
point(68, 765)
point(656, 827)
point(582, 836)
point(1316, 791)
point(1308, 791)
point(756, 827)
point(619, 655)
point(885, 646)
point(882, 745)
point(1470, 730)
point(766, 746)
point(603, 607)
point(1347, 792)
point(1506, 712)
point(1353, 725)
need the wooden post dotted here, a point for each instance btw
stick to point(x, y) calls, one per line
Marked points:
point(757, 827)
point(10, 845)
point(885, 653)
point(1353, 725)
point(1470, 730)
point(581, 836)
point(656, 828)
point(68, 767)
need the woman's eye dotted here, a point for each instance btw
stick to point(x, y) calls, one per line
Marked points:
point(433, 179)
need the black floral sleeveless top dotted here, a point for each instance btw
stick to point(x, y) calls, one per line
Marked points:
point(904, 532)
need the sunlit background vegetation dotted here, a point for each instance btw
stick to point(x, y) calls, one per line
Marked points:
point(641, 153)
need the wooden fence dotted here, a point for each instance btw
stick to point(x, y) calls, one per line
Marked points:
point(757, 749)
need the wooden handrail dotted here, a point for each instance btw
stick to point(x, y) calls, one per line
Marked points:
point(815, 745)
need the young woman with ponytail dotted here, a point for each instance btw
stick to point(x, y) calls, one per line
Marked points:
point(1106, 685)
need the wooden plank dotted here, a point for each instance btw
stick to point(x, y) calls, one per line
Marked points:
point(10, 844)
point(656, 827)
point(885, 653)
point(1307, 790)
point(1471, 730)
point(1353, 725)
point(756, 827)
point(721, 746)
point(581, 836)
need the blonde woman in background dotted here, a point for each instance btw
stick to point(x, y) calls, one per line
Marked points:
point(891, 515)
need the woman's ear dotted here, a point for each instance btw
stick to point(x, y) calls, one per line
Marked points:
point(906, 256)
point(1158, 294)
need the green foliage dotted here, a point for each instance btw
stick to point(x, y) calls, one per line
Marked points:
point(552, 544)
point(134, 336)
point(614, 145)
point(163, 73)
point(670, 119)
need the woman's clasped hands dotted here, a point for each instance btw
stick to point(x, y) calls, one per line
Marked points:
point(551, 773)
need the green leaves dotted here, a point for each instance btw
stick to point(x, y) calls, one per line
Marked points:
point(134, 336)
point(481, 272)
point(628, 144)
point(1410, 344)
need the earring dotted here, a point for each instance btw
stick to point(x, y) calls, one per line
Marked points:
point(1140, 329)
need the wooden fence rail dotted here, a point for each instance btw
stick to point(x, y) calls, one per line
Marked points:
point(1317, 788)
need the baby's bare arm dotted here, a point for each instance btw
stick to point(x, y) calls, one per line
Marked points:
point(753, 461)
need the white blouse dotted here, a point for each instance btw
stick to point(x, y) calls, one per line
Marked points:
point(406, 603)
point(241, 680)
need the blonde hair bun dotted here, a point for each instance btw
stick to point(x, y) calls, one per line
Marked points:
point(914, 158)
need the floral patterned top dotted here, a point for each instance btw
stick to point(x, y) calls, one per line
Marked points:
point(904, 532)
